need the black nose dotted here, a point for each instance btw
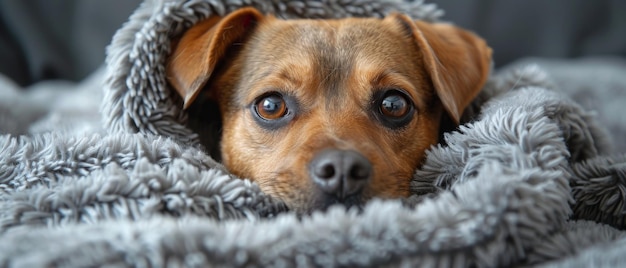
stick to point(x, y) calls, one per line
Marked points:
point(340, 173)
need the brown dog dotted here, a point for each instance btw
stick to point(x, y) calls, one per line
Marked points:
point(319, 112)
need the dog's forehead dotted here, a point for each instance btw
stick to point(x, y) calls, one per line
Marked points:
point(329, 51)
point(327, 37)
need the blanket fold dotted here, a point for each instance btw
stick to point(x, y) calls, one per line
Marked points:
point(530, 178)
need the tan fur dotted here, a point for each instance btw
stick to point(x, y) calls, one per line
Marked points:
point(332, 68)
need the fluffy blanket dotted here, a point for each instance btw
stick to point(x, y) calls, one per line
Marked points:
point(532, 177)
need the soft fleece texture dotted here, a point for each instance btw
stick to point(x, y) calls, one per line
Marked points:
point(531, 178)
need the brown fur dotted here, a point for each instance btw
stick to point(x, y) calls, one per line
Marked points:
point(331, 68)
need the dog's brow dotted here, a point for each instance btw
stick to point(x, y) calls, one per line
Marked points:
point(378, 79)
point(288, 76)
point(390, 77)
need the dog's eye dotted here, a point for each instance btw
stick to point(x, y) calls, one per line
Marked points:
point(274, 110)
point(393, 108)
point(394, 105)
point(271, 107)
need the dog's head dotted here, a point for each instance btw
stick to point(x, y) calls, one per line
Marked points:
point(328, 111)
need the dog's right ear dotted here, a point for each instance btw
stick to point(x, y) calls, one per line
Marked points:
point(201, 47)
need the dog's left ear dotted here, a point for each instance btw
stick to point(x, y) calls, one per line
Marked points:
point(458, 61)
point(201, 47)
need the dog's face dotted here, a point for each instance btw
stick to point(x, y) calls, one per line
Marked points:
point(319, 112)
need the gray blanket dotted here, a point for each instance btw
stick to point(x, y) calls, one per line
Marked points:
point(531, 177)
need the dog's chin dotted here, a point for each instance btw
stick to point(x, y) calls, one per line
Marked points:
point(322, 202)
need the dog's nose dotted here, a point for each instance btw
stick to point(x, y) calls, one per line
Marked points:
point(340, 173)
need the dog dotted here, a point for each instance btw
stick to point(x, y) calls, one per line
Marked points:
point(320, 112)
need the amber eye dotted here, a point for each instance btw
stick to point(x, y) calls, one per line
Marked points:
point(393, 108)
point(271, 107)
point(394, 105)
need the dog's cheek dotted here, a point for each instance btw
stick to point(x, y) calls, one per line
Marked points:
point(401, 155)
point(235, 146)
point(392, 177)
point(265, 158)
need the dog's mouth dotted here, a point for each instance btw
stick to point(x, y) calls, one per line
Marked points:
point(322, 202)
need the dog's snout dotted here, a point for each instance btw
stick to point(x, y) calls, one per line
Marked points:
point(340, 173)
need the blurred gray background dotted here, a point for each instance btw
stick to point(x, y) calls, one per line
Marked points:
point(57, 39)
point(66, 39)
